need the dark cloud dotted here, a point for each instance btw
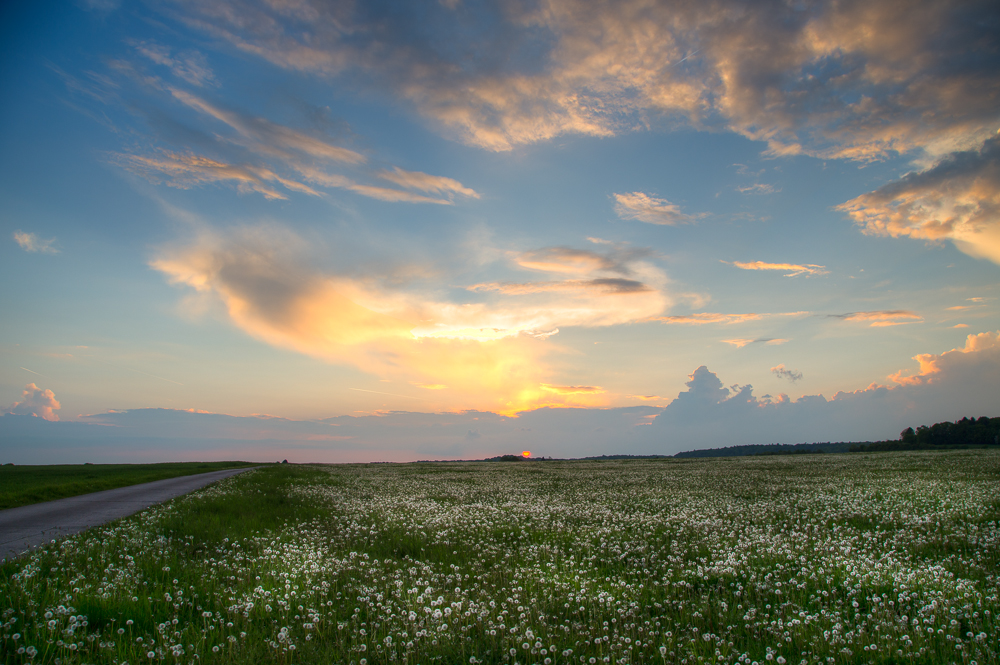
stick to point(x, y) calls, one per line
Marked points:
point(854, 79)
point(790, 374)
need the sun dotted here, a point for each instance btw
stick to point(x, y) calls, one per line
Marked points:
point(526, 454)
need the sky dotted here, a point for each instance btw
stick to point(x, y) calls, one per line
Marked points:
point(385, 231)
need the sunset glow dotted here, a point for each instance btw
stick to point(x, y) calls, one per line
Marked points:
point(445, 229)
point(526, 453)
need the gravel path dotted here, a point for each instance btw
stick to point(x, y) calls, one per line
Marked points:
point(26, 527)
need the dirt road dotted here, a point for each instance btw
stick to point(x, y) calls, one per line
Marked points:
point(26, 527)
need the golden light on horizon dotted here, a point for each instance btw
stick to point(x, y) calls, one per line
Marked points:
point(526, 454)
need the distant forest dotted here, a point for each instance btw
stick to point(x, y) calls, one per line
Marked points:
point(965, 433)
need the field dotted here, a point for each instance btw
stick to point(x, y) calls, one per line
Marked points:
point(815, 559)
point(24, 485)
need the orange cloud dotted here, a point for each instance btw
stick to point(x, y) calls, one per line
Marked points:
point(955, 361)
point(489, 355)
point(794, 269)
point(30, 242)
point(649, 209)
point(573, 390)
point(707, 317)
point(740, 343)
point(881, 318)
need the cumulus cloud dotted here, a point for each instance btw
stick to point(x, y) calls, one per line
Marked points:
point(486, 352)
point(649, 209)
point(791, 269)
point(36, 402)
point(974, 358)
point(958, 199)
point(782, 373)
point(948, 386)
point(881, 318)
point(30, 242)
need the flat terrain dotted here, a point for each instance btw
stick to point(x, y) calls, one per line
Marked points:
point(816, 559)
point(24, 485)
point(27, 527)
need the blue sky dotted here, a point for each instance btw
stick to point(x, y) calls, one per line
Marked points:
point(553, 211)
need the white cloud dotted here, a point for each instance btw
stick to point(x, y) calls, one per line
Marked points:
point(36, 402)
point(30, 242)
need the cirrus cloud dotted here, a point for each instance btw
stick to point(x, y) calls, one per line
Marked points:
point(793, 269)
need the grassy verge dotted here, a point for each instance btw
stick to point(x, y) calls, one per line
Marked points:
point(822, 560)
point(24, 485)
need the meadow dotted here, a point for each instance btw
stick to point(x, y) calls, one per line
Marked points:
point(26, 484)
point(811, 559)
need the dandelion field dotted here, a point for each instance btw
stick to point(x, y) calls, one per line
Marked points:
point(880, 558)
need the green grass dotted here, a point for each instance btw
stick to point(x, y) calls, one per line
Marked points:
point(24, 485)
point(713, 561)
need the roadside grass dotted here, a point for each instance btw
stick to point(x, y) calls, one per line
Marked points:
point(25, 485)
point(890, 559)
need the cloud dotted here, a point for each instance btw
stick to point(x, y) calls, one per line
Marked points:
point(703, 318)
point(605, 285)
point(937, 368)
point(958, 199)
point(427, 183)
point(650, 209)
point(854, 80)
point(881, 318)
point(573, 390)
point(190, 170)
point(770, 341)
point(269, 137)
point(794, 269)
point(948, 386)
point(190, 66)
point(489, 354)
point(758, 188)
point(36, 402)
point(256, 154)
point(30, 242)
point(782, 373)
